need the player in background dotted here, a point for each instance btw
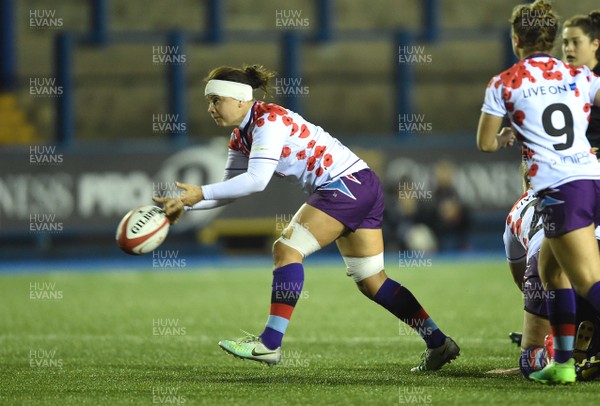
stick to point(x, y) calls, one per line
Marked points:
point(548, 103)
point(523, 237)
point(581, 46)
point(345, 205)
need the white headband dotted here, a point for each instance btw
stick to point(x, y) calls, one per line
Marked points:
point(226, 88)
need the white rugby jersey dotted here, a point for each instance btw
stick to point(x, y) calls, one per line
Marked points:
point(524, 230)
point(548, 103)
point(274, 140)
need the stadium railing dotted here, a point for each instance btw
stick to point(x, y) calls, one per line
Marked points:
point(291, 43)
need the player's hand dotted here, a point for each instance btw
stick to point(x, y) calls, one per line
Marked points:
point(506, 138)
point(173, 208)
point(191, 195)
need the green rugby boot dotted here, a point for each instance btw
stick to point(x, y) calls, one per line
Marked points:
point(250, 347)
point(556, 374)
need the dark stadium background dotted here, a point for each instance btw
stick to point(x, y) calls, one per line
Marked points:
point(102, 107)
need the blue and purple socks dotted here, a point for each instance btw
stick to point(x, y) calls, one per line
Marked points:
point(286, 289)
point(401, 303)
point(561, 314)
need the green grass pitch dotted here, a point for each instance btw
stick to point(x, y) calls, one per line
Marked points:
point(127, 337)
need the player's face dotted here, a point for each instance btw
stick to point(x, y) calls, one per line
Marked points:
point(578, 49)
point(225, 111)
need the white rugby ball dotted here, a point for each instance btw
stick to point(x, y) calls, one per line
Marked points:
point(142, 230)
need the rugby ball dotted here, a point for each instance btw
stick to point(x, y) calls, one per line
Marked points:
point(142, 230)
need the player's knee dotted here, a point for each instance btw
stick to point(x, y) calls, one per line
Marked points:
point(371, 285)
point(361, 268)
point(582, 284)
point(284, 254)
point(296, 239)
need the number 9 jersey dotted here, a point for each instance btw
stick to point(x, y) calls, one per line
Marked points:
point(548, 103)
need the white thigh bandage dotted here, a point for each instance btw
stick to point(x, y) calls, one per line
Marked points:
point(300, 239)
point(360, 268)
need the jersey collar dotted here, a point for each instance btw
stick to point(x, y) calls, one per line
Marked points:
point(540, 55)
point(247, 119)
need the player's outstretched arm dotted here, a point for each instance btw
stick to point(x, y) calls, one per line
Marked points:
point(175, 207)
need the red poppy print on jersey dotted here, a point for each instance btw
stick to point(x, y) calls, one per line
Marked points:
point(513, 77)
point(310, 163)
point(304, 131)
point(548, 65)
point(294, 129)
point(533, 170)
point(587, 107)
point(526, 152)
point(327, 160)
point(236, 144)
point(519, 223)
point(547, 68)
point(574, 71)
point(260, 122)
point(508, 219)
point(263, 108)
point(319, 171)
point(285, 152)
point(311, 144)
point(519, 117)
point(287, 120)
point(509, 106)
point(319, 151)
point(301, 155)
point(552, 75)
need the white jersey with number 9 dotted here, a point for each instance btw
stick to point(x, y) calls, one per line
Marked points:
point(548, 103)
